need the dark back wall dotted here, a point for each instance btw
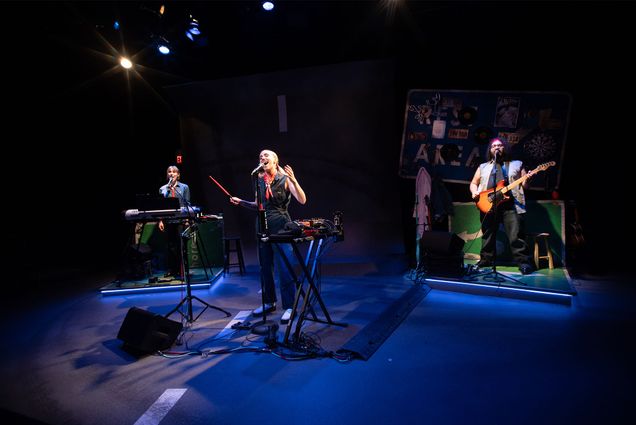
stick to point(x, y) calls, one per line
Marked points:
point(82, 136)
point(341, 141)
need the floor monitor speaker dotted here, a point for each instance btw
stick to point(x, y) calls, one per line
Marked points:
point(147, 332)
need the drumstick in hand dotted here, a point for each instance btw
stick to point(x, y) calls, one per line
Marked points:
point(221, 187)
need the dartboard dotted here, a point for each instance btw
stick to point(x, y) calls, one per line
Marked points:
point(540, 146)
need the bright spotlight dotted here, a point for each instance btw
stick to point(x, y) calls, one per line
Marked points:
point(268, 5)
point(163, 46)
point(125, 62)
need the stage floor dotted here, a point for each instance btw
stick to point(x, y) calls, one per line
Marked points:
point(66, 364)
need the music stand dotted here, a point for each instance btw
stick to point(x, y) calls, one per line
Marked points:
point(497, 197)
point(185, 235)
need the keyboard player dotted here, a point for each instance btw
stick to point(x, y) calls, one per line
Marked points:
point(174, 189)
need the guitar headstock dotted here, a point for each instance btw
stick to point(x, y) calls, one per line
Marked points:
point(542, 167)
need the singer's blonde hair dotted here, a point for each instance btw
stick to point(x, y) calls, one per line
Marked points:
point(272, 154)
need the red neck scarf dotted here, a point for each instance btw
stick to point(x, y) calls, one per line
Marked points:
point(268, 181)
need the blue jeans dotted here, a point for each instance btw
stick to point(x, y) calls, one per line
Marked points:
point(269, 258)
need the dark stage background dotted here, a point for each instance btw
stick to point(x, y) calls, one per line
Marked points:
point(340, 119)
point(84, 137)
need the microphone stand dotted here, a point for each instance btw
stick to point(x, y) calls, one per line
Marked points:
point(185, 236)
point(191, 213)
point(494, 275)
point(263, 327)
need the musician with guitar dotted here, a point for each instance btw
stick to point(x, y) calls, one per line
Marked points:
point(501, 180)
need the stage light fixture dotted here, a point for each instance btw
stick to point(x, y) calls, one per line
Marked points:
point(268, 5)
point(163, 45)
point(192, 30)
point(125, 62)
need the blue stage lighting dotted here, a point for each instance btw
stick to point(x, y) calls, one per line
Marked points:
point(192, 30)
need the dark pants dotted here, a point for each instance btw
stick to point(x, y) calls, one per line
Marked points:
point(270, 258)
point(514, 226)
point(173, 247)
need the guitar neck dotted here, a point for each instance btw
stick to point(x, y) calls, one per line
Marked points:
point(515, 183)
point(520, 180)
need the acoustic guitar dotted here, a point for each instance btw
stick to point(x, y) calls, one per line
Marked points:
point(575, 236)
point(486, 199)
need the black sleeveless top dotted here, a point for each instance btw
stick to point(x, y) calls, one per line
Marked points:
point(277, 204)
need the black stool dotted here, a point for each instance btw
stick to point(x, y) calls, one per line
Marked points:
point(239, 253)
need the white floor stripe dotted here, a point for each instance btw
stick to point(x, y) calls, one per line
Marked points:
point(240, 316)
point(161, 407)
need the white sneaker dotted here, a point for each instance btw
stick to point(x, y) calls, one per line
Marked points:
point(269, 307)
point(284, 319)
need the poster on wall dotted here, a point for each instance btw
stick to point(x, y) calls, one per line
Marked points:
point(448, 131)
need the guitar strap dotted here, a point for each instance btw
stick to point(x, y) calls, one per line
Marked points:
point(504, 170)
point(497, 174)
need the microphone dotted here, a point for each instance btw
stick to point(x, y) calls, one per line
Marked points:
point(170, 181)
point(258, 169)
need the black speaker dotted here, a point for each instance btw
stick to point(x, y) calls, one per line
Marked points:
point(447, 265)
point(146, 332)
point(441, 243)
point(441, 254)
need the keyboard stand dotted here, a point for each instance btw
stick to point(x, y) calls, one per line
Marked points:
point(308, 272)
